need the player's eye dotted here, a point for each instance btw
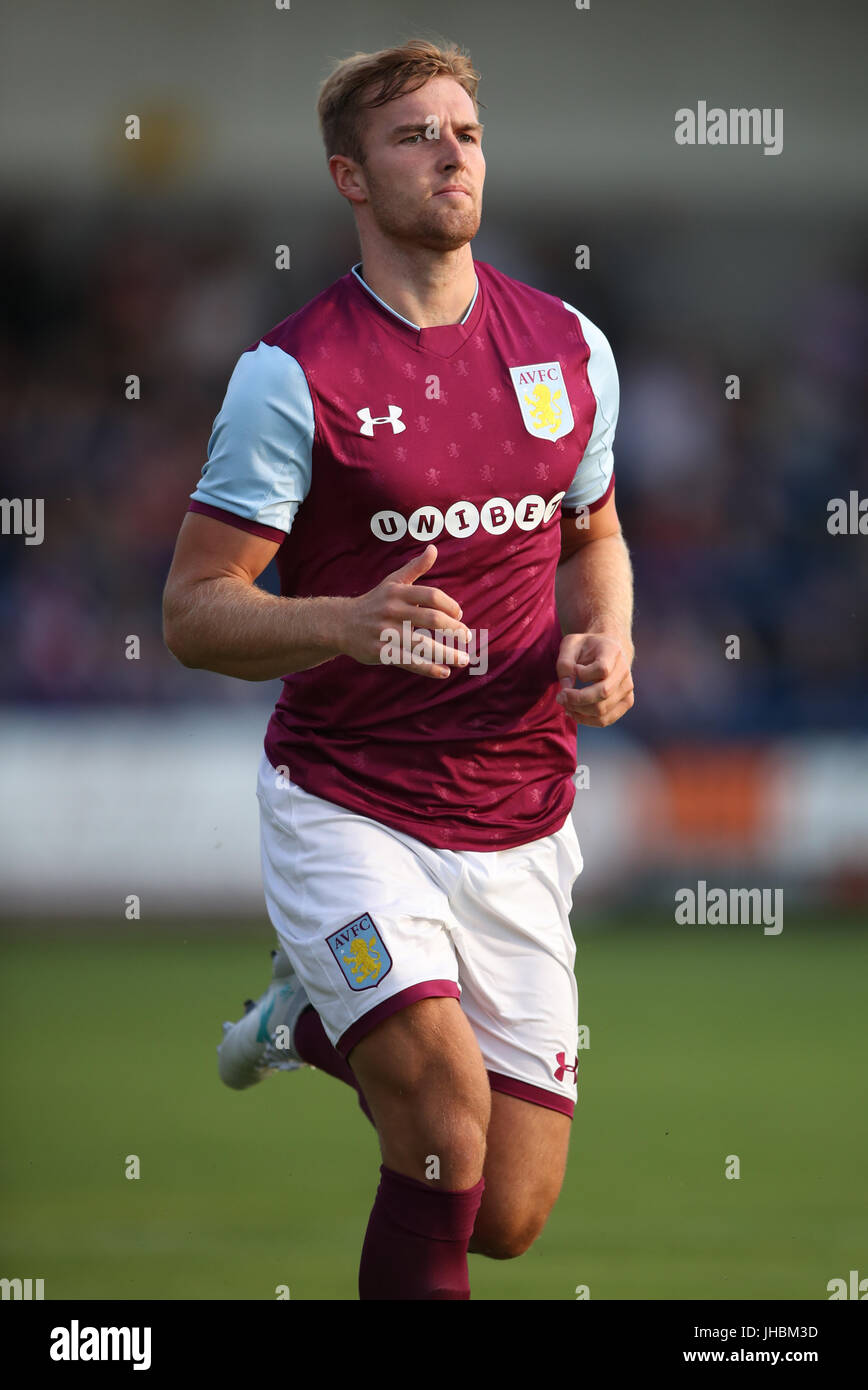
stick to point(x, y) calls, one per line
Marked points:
point(463, 135)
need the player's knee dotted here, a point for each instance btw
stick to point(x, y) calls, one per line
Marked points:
point(460, 1137)
point(506, 1241)
point(454, 1124)
point(445, 1145)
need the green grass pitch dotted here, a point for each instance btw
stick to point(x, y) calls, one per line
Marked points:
point(704, 1042)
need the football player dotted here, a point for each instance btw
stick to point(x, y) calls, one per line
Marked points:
point(426, 448)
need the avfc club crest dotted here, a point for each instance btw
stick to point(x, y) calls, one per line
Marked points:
point(542, 397)
point(361, 953)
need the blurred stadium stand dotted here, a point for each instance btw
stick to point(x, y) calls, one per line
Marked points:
point(157, 259)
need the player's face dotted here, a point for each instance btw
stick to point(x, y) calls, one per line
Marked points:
point(417, 146)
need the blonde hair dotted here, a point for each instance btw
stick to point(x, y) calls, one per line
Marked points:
point(365, 80)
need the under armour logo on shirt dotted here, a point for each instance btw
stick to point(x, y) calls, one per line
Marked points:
point(393, 418)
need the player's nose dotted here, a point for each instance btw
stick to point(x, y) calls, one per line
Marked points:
point(452, 152)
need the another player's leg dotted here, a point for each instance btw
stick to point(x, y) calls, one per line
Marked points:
point(423, 1076)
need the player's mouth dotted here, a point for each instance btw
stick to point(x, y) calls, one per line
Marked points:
point(452, 188)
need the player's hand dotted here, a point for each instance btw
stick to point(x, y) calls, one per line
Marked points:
point(601, 667)
point(376, 620)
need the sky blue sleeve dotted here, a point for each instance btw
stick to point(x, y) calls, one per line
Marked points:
point(594, 473)
point(259, 453)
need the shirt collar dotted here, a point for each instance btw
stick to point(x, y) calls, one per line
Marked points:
point(366, 286)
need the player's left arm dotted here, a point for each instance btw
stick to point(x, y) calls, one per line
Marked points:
point(594, 578)
point(594, 596)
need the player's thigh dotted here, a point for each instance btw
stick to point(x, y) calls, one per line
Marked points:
point(424, 1079)
point(525, 1163)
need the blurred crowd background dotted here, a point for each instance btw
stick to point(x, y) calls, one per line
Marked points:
point(156, 258)
point(723, 502)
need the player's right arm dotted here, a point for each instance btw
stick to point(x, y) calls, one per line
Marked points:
point(216, 618)
point(258, 474)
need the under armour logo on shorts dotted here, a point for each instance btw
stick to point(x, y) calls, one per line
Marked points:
point(564, 1066)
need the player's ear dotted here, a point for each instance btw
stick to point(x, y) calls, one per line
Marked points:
point(347, 175)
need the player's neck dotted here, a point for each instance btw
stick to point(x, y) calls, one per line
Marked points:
point(428, 288)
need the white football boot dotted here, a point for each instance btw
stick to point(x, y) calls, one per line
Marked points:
point(253, 1048)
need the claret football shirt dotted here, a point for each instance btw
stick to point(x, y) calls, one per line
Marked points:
point(352, 438)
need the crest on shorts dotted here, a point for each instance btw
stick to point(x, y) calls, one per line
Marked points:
point(542, 397)
point(361, 953)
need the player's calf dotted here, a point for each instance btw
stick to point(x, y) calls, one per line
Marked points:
point(525, 1163)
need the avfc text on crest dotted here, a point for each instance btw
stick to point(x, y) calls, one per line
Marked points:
point(361, 953)
point(543, 400)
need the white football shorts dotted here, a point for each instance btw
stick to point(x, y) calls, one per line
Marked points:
point(373, 919)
